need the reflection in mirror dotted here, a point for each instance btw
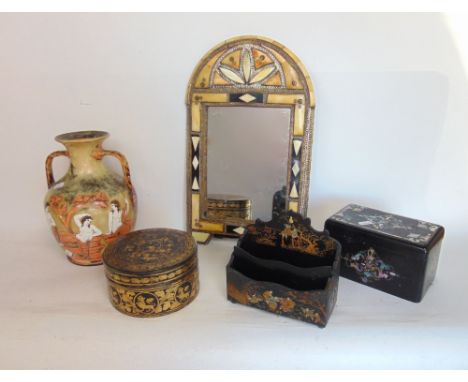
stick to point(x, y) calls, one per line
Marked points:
point(247, 160)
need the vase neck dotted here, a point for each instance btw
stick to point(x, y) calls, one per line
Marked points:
point(82, 158)
point(82, 148)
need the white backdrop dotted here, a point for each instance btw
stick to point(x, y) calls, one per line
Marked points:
point(391, 126)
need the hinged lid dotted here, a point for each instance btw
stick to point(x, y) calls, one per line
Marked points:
point(412, 231)
point(150, 250)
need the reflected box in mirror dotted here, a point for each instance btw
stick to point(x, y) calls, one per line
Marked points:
point(228, 207)
point(392, 253)
point(286, 267)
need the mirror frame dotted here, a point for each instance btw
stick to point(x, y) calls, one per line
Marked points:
point(248, 71)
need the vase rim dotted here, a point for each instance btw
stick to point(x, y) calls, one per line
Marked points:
point(82, 136)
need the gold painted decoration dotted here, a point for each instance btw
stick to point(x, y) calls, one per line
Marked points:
point(152, 272)
point(150, 250)
point(154, 301)
point(290, 232)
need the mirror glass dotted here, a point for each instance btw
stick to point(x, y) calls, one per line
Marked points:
point(247, 160)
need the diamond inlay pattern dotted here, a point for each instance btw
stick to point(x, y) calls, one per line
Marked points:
point(247, 98)
point(195, 163)
point(295, 168)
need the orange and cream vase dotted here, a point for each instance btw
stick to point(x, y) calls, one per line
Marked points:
point(90, 206)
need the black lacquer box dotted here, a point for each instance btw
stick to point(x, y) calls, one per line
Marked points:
point(392, 253)
point(285, 267)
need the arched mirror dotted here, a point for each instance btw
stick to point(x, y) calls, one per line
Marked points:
point(250, 106)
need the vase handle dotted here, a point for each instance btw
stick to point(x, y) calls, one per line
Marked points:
point(123, 162)
point(48, 166)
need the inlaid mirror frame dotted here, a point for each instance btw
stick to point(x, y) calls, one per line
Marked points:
point(247, 71)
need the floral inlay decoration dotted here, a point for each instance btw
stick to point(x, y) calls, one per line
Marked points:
point(249, 65)
point(369, 266)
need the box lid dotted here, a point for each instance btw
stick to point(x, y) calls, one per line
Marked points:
point(413, 231)
point(150, 250)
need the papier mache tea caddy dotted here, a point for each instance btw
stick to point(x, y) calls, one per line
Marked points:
point(152, 272)
point(90, 206)
point(392, 253)
point(286, 267)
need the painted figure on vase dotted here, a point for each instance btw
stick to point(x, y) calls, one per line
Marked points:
point(85, 240)
point(87, 229)
point(116, 216)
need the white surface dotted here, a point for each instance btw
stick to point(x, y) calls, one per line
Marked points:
point(57, 315)
point(390, 133)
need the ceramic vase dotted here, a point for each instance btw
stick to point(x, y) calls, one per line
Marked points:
point(90, 206)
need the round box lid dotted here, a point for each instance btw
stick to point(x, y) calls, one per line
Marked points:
point(149, 250)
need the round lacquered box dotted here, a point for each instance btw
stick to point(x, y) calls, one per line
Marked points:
point(152, 272)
